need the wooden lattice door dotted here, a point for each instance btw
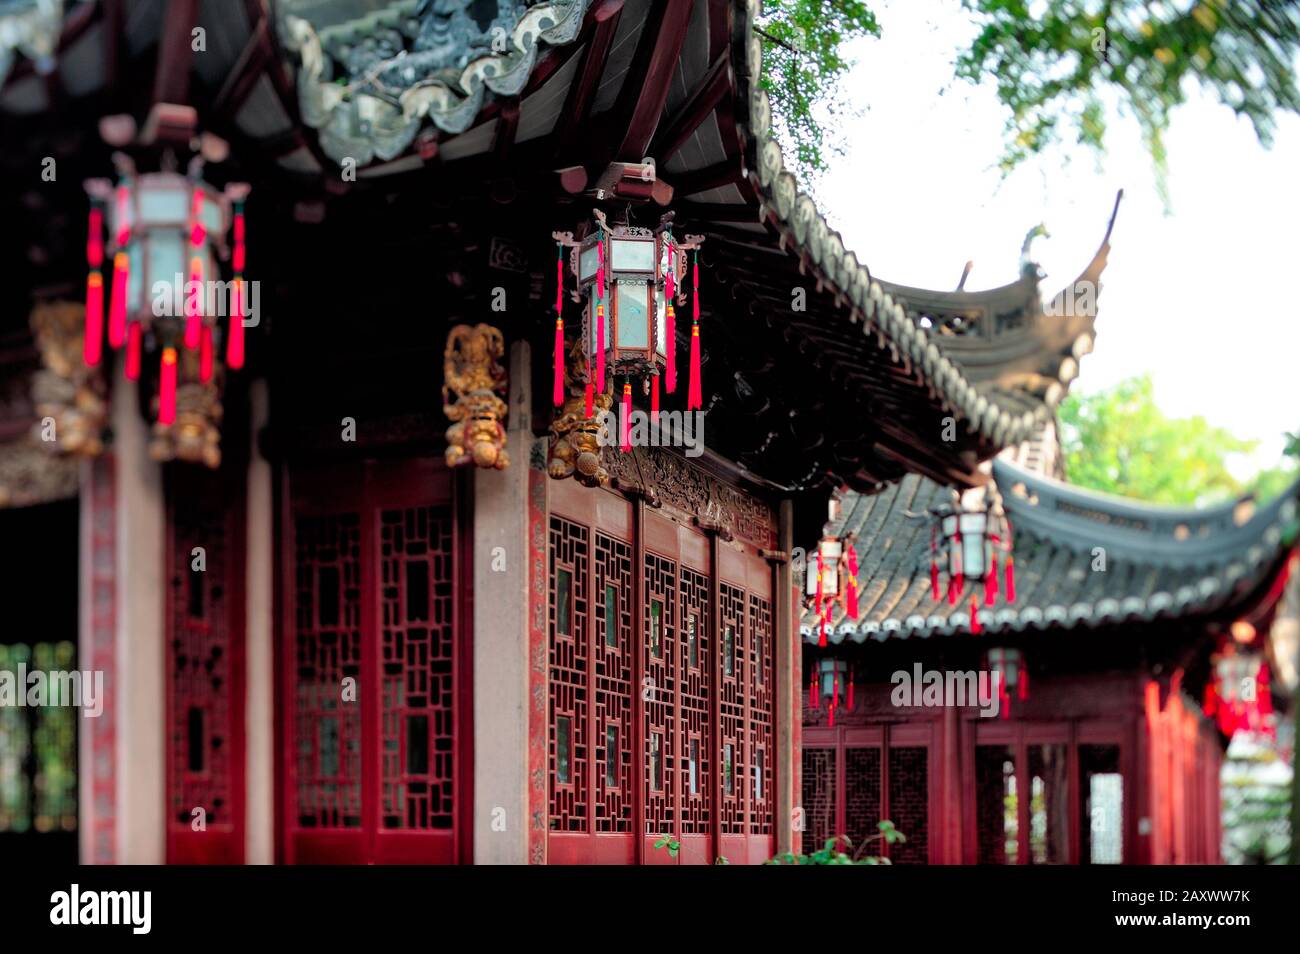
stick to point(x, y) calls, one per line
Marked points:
point(205, 665)
point(374, 667)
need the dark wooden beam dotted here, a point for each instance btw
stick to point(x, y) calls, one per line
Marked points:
point(701, 214)
point(703, 100)
point(172, 78)
point(719, 174)
point(114, 20)
point(577, 104)
point(244, 75)
point(645, 86)
point(507, 127)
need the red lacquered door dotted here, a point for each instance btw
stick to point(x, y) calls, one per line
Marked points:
point(374, 667)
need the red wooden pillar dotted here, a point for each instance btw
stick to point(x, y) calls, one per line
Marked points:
point(951, 786)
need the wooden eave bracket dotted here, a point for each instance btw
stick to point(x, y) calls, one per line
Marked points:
point(633, 181)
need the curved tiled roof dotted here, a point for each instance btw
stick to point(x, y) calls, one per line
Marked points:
point(971, 373)
point(1159, 562)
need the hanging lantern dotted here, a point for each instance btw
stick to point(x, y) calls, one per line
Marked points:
point(1238, 695)
point(970, 545)
point(1008, 667)
point(168, 233)
point(631, 279)
point(831, 683)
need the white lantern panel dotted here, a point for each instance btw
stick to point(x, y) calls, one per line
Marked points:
point(632, 256)
point(164, 205)
point(593, 324)
point(633, 322)
point(588, 262)
point(661, 324)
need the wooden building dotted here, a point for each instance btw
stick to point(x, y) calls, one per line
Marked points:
point(332, 626)
point(1104, 747)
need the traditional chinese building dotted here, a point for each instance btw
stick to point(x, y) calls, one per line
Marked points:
point(1134, 647)
point(345, 617)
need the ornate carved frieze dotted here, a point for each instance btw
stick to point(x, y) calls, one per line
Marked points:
point(667, 479)
point(472, 370)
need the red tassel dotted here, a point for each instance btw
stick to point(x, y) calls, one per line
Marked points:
point(852, 561)
point(587, 395)
point(117, 301)
point(235, 343)
point(194, 304)
point(1004, 700)
point(600, 312)
point(814, 697)
point(851, 598)
point(237, 260)
point(975, 626)
point(693, 397)
point(95, 238)
point(831, 716)
point(557, 394)
point(835, 692)
point(1010, 578)
point(850, 690)
point(93, 344)
point(205, 354)
point(600, 346)
point(670, 345)
point(654, 395)
point(167, 387)
point(626, 444)
point(695, 282)
point(991, 582)
point(134, 332)
point(818, 599)
point(1022, 684)
point(934, 581)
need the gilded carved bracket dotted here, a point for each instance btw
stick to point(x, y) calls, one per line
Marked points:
point(472, 370)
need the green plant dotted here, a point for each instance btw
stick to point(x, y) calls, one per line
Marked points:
point(829, 854)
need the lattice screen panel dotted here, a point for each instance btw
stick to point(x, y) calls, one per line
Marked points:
point(862, 795)
point(732, 671)
point(818, 797)
point(567, 618)
point(909, 803)
point(659, 658)
point(693, 667)
point(327, 731)
point(199, 638)
point(761, 713)
point(613, 652)
point(417, 669)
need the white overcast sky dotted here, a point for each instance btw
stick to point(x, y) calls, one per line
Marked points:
point(1203, 298)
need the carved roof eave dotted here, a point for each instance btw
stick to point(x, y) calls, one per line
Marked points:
point(364, 127)
point(996, 421)
point(1216, 569)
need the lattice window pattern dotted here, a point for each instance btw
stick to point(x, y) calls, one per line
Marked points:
point(761, 715)
point(659, 661)
point(569, 682)
point(909, 803)
point(696, 786)
point(818, 797)
point(732, 707)
point(200, 657)
point(613, 643)
point(417, 669)
point(862, 795)
point(327, 730)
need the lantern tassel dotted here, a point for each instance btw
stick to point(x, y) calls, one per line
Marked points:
point(557, 394)
point(670, 342)
point(587, 395)
point(1022, 685)
point(654, 397)
point(134, 332)
point(194, 305)
point(991, 582)
point(93, 344)
point(694, 400)
point(1009, 577)
point(626, 444)
point(235, 343)
point(117, 301)
point(850, 688)
point(205, 354)
point(975, 626)
point(600, 312)
point(167, 387)
point(814, 697)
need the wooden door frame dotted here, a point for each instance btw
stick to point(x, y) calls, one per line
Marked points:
point(372, 475)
